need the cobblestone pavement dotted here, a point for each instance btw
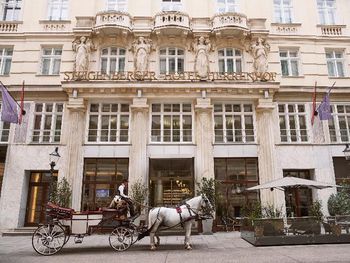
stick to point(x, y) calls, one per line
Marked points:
point(220, 247)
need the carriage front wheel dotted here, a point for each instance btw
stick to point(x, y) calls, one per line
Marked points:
point(48, 239)
point(121, 238)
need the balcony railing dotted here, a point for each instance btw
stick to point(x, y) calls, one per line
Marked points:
point(234, 21)
point(171, 19)
point(332, 30)
point(113, 21)
point(9, 26)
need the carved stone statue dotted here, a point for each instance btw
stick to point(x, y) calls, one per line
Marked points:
point(83, 48)
point(142, 48)
point(201, 47)
point(260, 50)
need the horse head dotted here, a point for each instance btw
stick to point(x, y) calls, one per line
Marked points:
point(206, 207)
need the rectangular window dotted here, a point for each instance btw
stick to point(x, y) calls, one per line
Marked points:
point(230, 60)
point(283, 11)
point(326, 12)
point(335, 63)
point(224, 6)
point(234, 123)
point(5, 60)
point(108, 122)
point(171, 5)
point(58, 9)
point(292, 119)
point(10, 10)
point(117, 5)
point(339, 125)
point(289, 62)
point(171, 122)
point(51, 61)
point(47, 123)
point(4, 130)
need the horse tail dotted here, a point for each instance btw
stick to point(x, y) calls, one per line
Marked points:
point(151, 222)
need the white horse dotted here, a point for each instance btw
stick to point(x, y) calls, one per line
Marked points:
point(162, 217)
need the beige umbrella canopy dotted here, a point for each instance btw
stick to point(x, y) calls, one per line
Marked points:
point(290, 181)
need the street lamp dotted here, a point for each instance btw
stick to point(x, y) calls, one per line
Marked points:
point(54, 157)
point(347, 152)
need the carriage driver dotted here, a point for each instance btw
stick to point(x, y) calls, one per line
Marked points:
point(123, 190)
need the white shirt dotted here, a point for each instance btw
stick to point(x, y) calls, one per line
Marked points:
point(121, 191)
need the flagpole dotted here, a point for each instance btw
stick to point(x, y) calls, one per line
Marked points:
point(10, 93)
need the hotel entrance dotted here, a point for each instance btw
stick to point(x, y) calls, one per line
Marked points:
point(171, 181)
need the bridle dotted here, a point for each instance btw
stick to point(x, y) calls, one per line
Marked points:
point(206, 210)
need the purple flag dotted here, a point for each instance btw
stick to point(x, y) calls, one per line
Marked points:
point(9, 107)
point(324, 110)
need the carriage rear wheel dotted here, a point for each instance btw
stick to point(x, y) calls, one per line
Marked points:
point(48, 239)
point(121, 238)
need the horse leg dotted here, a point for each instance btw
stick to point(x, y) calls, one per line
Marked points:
point(188, 226)
point(152, 234)
point(158, 240)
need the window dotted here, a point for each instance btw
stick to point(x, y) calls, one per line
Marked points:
point(109, 122)
point(171, 122)
point(171, 60)
point(339, 125)
point(289, 63)
point(335, 63)
point(230, 60)
point(51, 61)
point(10, 10)
point(326, 11)
point(224, 6)
point(58, 10)
point(112, 60)
point(47, 123)
point(171, 5)
point(5, 60)
point(292, 118)
point(283, 11)
point(101, 178)
point(117, 5)
point(233, 123)
point(4, 130)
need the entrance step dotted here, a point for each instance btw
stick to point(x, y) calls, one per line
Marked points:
point(21, 231)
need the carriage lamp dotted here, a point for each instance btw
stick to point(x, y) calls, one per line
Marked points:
point(54, 157)
point(347, 152)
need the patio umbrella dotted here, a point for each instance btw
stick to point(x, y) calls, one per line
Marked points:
point(290, 181)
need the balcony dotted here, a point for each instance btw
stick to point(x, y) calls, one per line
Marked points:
point(9, 26)
point(172, 23)
point(331, 30)
point(229, 24)
point(113, 22)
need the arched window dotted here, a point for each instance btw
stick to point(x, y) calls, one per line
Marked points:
point(172, 60)
point(112, 60)
point(230, 60)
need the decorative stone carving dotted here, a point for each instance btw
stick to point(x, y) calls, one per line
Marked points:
point(259, 49)
point(201, 47)
point(142, 48)
point(83, 47)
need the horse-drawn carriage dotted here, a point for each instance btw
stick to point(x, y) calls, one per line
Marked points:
point(62, 223)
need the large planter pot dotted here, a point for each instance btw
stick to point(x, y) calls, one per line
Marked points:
point(207, 226)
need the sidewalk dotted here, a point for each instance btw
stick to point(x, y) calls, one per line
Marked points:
point(220, 247)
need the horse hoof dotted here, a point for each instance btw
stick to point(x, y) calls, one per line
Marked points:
point(189, 247)
point(153, 248)
point(157, 244)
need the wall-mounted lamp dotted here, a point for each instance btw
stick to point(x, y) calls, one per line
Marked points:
point(347, 152)
point(54, 158)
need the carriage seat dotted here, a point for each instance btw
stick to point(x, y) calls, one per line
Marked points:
point(56, 211)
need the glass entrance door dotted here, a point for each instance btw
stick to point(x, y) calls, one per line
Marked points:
point(171, 181)
point(38, 196)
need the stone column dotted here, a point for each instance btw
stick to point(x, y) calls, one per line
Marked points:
point(139, 138)
point(204, 159)
point(266, 152)
point(74, 137)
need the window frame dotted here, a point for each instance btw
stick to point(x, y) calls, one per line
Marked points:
point(282, 8)
point(167, 59)
point(4, 58)
point(234, 58)
point(62, 7)
point(289, 60)
point(119, 5)
point(334, 60)
point(171, 5)
point(15, 15)
point(171, 113)
point(53, 123)
point(242, 114)
point(109, 57)
point(52, 57)
point(335, 120)
point(100, 113)
point(286, 114)
point(4, 130)
point(228, 6)
point(325, 11)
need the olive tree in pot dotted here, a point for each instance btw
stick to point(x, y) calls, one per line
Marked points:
point(139, 193)
point(207, 187)
point(61, 193)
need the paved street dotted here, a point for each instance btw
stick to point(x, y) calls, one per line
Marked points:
point(220, 247)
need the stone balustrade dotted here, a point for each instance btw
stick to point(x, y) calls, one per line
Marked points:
point(331, 30)
point(9, 26)
point(113, 20)
point(285, 29)
point(172, 19)
point(229, 20)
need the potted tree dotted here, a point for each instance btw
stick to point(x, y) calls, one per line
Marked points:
point(61, 193)
point(139, 195)
point(207, 187)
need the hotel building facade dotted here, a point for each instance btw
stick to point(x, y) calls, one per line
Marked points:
point(166, 92)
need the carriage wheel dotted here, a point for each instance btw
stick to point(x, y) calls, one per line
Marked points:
point(48, 239)
point(121, 238)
